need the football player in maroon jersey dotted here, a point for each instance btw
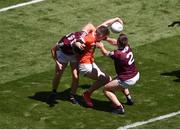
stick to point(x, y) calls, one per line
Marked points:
point(127, 73)
point(63, 53)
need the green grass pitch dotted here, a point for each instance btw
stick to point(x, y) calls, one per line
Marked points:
point(26, 67)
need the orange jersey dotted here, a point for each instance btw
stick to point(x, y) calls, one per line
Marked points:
point(88, 55)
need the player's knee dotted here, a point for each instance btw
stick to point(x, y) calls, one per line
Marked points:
point(106, 87)
point(106, 90)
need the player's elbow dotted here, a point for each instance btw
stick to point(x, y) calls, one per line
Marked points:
point(53, 49)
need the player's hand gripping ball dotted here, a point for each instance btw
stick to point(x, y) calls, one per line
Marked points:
point(116, 27)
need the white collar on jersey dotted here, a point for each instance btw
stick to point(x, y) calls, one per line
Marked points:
point(125, 49)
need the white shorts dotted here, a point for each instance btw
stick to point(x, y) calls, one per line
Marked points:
point(87, 68)
point(129, 82)
point(64, 58)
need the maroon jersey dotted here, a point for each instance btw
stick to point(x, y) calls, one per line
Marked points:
point(124, 63)
point(65, 44)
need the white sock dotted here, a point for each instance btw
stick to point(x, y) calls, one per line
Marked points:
point(128, 96)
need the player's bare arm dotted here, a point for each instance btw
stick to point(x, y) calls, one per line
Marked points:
point(53, 52)
point(104, 51)
point(107, 23)
point(110, 21)
point(112, 41)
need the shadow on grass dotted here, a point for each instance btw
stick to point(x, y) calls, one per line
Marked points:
point(43, 97)
point(174, 23)
point(173, 73)
point(85, 86)
point(64, 96)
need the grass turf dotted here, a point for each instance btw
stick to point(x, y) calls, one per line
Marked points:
point(26, 67)
point(6, 3)
point(32, 30)
point(156, 94)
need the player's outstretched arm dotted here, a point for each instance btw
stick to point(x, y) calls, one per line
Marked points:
point(112, 41)
point(107, 23)
point(53, 51)
point(102, 48)
point(110, 21)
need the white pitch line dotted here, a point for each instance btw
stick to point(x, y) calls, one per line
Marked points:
point(20, 5)
point(150, 120)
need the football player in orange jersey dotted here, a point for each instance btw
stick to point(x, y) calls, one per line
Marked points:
point(87, 65)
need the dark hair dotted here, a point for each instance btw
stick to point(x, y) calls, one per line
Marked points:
point(122, 41)
point(102, 31)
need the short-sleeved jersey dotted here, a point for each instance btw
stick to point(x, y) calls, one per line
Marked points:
point(88, 54)
point(65, 43)
point(124, 63)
